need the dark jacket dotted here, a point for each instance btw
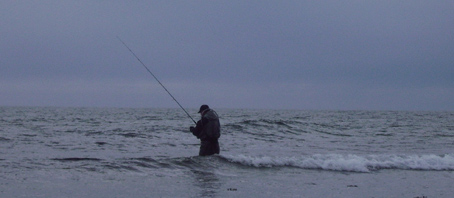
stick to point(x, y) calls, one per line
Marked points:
point(208, 124)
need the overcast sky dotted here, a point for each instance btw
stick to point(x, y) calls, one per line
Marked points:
point(317, 55)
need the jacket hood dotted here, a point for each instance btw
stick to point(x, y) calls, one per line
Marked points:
point(211, 115)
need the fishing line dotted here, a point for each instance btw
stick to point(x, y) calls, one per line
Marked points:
point(149, 71)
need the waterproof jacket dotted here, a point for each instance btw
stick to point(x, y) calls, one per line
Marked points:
point(208, 127)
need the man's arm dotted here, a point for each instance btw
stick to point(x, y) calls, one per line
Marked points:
point(197, 129)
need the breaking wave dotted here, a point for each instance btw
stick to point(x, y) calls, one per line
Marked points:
point(351, 163)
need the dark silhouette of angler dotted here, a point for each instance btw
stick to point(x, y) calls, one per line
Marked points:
point(208, 130)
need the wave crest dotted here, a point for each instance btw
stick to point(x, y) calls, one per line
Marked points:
point(352, 163)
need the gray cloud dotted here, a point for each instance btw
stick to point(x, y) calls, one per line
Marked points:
point(256, 54)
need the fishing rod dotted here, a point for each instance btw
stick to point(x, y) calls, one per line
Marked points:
point(149, 71)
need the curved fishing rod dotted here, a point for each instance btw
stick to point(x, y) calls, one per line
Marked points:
point(149, 71)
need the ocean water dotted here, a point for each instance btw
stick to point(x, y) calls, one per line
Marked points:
point(113, 152)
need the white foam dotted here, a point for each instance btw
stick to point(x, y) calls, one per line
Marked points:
point(354, 163)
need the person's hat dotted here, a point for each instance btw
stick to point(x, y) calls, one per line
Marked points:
point(203, 108)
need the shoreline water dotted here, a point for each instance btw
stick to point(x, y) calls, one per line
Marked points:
point(105, 152)
point(237, 182)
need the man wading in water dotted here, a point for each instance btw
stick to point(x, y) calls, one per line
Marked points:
point(208, 130)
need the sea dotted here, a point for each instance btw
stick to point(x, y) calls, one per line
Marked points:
point(144, 152)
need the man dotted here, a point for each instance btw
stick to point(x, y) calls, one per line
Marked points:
point(208, 130)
